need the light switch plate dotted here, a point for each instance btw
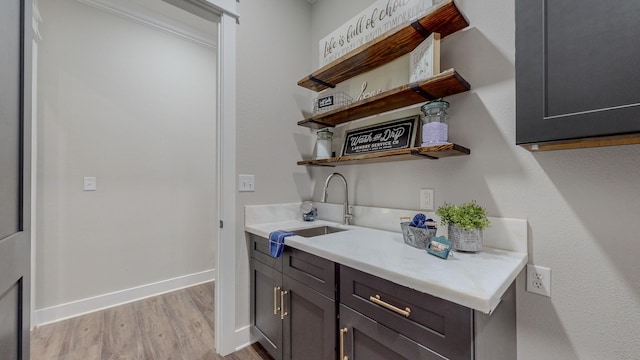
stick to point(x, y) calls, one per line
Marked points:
point(246, 182)
point(426, 199)
point(90, 183)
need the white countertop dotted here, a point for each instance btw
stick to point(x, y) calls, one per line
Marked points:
point(477, 281)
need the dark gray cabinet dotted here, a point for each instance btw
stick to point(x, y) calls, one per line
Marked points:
point(310, 323)
point(304, 307)
point(293, 307)
point(266, 285)
point(363, 338)
point(442, 329)
point(380, 319)
point(576, 73)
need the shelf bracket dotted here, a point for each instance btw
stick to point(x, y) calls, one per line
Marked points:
point(417, 153)
point(312, 120)
point(421, 92)
point(316, 80)
point(420, 29)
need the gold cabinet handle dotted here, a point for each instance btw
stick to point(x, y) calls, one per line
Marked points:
point(275, 300)
point(376, 299)
point(282, 312)
point(342, 332)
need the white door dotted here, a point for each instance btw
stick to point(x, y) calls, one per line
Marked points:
point(15, 42)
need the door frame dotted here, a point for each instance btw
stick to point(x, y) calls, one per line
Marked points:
point(225, 255)
point(225, 283)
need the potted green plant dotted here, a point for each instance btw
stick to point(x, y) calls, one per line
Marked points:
point(466, 222)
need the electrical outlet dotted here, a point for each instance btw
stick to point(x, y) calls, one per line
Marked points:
point(539, 280)
point(426, 199)
point(246, 182)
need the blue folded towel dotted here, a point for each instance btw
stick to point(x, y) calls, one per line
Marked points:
point(418, 221)
point(276, 242)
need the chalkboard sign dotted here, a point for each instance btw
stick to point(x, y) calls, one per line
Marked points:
point(393, 135)
point(325, 102)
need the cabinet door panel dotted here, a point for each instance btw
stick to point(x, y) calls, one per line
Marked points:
point(265, 282)
point(365, 339)
point(310, 323)
point(576, 70)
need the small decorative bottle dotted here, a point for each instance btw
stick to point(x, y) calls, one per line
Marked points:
point(323, 144)
point(435, 130)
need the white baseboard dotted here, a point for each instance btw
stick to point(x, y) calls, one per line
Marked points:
point(100, 302)
point(243, 337)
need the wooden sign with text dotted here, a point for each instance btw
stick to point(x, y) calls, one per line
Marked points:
point(377, 19)
point(393, 135)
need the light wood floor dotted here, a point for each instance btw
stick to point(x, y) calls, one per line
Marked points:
point(173, 326)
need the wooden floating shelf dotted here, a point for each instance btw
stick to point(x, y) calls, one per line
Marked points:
point(416, 153)
point(444, 84)
point(445, 19)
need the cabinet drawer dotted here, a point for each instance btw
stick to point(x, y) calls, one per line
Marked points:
point(438, 324)
point(365, 339)
point(315, 272)
point(260, 251)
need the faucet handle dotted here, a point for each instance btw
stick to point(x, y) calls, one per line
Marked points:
point(348, 217)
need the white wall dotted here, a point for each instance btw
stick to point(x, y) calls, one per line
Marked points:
point(581, 204)
point(273, 54)
point(134, 107)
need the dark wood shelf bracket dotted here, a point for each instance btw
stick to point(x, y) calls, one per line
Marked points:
point(420, 91)
point(420, 29)
point(418, 153)
point(323, 83)
point(319, 123)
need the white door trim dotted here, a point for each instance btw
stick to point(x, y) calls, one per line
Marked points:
point(225, 284)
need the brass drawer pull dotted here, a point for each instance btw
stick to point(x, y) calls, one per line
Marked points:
point(275, 301)
point(376, 299)
point(342, 332)
point(282, 312)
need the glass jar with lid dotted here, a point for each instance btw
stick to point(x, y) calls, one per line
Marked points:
point(435, 128)
point(323, 144)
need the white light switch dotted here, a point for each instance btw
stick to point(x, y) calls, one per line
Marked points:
point(246, 182)
point(90, 183)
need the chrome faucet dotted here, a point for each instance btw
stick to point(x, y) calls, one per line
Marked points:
point(347, 211)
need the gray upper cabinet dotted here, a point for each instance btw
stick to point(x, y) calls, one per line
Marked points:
point(577, 77)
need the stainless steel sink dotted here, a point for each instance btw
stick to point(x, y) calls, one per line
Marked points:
point(317, 231)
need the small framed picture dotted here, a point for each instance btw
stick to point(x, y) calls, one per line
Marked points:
point(392, 135)
point(424, 60)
